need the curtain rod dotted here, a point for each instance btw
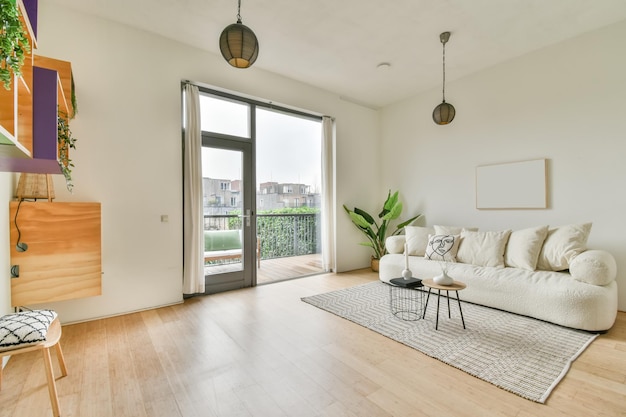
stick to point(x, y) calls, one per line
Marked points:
point(254, 100)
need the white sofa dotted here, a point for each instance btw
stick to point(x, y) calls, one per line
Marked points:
point(545, 273)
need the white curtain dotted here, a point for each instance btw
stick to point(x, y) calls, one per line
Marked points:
point(193, 235)
point(328, 194)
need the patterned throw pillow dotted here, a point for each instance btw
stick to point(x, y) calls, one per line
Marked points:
point(442, 247)
point(25, 328)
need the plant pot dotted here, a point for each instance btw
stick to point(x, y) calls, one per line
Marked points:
point(374, 263)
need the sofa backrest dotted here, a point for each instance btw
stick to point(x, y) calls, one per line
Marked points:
point(221, 240)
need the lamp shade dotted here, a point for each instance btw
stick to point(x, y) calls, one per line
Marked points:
point(239, 45)
point(444, 113)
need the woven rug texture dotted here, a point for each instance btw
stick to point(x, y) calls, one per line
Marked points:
point(522, 355)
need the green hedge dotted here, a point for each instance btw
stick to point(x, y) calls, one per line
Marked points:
point(286, 232)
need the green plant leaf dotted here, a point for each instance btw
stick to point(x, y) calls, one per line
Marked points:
point(365, 215)
point(392, 200)
point(394, 211)
point(405, 223)
point(359, 220)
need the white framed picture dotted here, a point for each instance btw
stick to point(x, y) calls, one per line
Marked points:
point(512, 185)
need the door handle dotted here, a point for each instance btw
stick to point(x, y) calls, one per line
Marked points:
point(247, 217)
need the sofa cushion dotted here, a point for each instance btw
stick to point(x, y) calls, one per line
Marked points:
point(596, 267)
point(483, 248)
point(452, 230)
point(395, 244)
point(417, 239)
point(523, 247)
point(442, 247)
point(562, 245)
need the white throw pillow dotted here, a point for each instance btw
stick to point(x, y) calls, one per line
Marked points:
point(483, 248)
point(562, 245)
point(442, 247)
point(417, 239)
point(395, 244)
point(452, 230)
point(522, 250)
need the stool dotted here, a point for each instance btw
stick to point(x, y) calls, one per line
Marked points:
point(52, 339)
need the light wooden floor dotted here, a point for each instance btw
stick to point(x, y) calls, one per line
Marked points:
point(263, 352)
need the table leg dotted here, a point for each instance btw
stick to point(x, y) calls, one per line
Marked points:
point(427, 298)
point(437, 320)
point(448, 297)
point(459, 301)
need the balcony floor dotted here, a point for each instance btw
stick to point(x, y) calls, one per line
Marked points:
point(278, 269)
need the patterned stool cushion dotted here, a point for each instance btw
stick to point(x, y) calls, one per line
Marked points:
point(25, 328)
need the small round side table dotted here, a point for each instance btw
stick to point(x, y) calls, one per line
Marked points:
point(456, 286)
point(406, 299)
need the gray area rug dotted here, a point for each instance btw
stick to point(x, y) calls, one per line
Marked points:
point(522, 355)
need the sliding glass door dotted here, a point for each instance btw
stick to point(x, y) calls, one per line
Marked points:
point(261, 176)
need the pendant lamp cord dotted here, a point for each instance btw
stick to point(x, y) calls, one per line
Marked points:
point(444, 72)
point(239, 12)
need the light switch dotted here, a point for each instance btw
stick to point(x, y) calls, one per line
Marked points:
point(165, 218)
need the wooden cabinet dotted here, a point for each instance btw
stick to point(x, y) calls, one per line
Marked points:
point(63, 259)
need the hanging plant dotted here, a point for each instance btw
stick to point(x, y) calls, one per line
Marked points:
point(66, 142)
point(14, 44)
point(73, 97)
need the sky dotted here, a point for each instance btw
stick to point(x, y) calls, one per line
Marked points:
point(288, 146)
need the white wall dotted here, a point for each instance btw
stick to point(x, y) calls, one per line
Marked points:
point(565, 103)
point(129, 151)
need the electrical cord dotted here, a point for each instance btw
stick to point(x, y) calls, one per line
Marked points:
point(20, 246)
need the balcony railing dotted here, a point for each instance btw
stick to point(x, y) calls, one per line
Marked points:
point(280, 235)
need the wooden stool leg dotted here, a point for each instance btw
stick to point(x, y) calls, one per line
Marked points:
point(52, 388)
point(61, 359)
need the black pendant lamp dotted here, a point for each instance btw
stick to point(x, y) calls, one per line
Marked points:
point(238, 43)
point(444, 113)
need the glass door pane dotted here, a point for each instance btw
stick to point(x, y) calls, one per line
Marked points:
point(227, 221)
point(288, 173)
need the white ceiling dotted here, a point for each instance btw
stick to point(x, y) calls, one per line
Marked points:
point(338, 44)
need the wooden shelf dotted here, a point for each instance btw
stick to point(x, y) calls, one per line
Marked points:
point(29, 110)
point(16, 103)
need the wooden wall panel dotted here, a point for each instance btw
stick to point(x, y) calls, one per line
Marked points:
point(63, 260)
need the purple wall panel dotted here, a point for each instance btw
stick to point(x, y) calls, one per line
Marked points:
point(31, 8)
point(44, 113)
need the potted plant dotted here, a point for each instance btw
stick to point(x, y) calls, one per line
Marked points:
point(377, 233)
point(13, 42)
